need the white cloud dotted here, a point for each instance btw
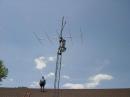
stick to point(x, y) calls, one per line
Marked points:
point(50, 75)
point(11, 79)
point(91, 84)
point(34, 84)
point(100, 77)
point(94, 81)
point(65, 77)
point(8, 80)
point(73, 86)
point(40, 63)
point(51, 59)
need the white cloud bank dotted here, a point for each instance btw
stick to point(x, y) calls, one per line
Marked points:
point(11, 79)
point(49, 75)
point(94, 81)
point(73, 86)
point(52, 75)
point(34, 84)
point(65, 77)
point(8, 80)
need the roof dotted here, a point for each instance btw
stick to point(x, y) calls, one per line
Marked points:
point(20, 92)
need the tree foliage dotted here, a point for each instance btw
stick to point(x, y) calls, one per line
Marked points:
point(3, 71)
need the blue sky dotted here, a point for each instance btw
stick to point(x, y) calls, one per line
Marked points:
point(100, 61)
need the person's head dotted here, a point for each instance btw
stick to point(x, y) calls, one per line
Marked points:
point(42, 77)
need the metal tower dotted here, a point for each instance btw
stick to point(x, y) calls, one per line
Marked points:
point(61, 49)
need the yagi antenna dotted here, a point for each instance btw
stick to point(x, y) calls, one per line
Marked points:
point(48, 38)
point(41, 39)
point(38, 39)
point(62, 26)
point(81, 35)
point(70, 37)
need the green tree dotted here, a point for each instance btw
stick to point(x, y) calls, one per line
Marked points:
point(3, 71)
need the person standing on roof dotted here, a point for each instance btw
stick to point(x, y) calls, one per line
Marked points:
point(42, 83)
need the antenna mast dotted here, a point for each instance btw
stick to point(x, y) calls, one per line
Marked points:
point(61, 49)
